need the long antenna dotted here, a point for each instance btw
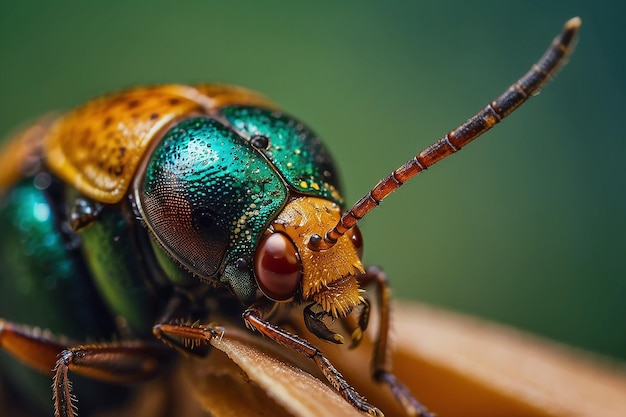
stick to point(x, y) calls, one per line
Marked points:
point(517, 94)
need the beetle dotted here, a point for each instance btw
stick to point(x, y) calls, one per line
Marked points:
point(140, 212)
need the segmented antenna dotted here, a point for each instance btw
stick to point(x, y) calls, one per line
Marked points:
point(517, 94)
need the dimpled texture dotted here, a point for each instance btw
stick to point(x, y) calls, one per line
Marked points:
point(296, 152)
point(208, 195)
point(98, 146)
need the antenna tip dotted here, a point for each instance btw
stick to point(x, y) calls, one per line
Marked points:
point(573, 24)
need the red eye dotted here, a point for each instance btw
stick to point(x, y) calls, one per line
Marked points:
point(277, 267)
point(357, 240)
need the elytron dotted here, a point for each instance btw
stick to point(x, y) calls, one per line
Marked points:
point(139, 213)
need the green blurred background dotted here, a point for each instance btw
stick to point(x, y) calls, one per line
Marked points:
point(527, 227)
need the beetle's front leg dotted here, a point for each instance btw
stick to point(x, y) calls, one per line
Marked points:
point(187, 338)
point(381, 362)
point(254, 318)
point(175, 332)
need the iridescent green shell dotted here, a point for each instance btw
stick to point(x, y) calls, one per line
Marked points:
point(205, 189)
point(208, 191)
point(300, 156)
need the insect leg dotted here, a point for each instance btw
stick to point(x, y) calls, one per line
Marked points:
point(186, 338)
point(35, 348)
point(253, 317)
point(118, 362)
point(381, 362)
point(175, 332)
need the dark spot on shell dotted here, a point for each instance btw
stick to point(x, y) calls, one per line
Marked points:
point(260, 141)
point(154, 116)
point(133, 103)
point(174, 101)
point(116, 171)
point(107, 122)
point(242, 264)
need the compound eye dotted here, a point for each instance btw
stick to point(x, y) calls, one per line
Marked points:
point(357, 240)
point(277, 267)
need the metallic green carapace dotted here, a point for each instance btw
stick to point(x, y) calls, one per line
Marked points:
point(208, 196)
point(296, 152)
point(209, 193)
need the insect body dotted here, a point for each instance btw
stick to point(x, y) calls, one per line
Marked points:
point(137, 213)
